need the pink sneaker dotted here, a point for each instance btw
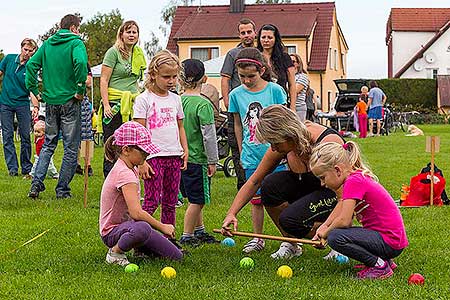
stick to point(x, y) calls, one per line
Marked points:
point(376, 272)
point(363, 266)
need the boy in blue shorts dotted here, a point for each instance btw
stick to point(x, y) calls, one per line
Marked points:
point(203, 154)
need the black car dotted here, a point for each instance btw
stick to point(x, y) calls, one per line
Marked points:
point(349, 91)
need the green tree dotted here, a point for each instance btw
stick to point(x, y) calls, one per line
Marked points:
point(100, 33)
point(167, 14)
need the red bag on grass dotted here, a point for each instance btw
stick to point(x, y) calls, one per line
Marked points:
point(420, 190)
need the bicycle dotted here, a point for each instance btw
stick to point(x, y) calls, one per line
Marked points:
point(402, 120)
point(393, 120)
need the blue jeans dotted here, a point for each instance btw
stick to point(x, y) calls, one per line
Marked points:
point(67, 119)
point(362, 244)
point(23, 115)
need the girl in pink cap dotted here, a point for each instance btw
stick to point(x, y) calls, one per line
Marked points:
point(124, 225)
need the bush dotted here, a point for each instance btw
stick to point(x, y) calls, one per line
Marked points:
point(419, 93)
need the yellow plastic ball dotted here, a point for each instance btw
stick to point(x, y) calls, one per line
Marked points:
point(285, 272)
point(168, 272)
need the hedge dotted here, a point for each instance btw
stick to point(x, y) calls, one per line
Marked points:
point(411, 92)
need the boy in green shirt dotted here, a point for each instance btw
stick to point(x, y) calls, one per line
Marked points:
point(203, 154)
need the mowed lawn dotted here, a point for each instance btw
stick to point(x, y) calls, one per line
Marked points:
point(67, 262)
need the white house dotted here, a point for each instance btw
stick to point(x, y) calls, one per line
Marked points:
point(418, 41)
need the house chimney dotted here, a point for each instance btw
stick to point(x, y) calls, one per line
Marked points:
point(237, 6)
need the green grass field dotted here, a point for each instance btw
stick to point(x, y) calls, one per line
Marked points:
point(67, 262)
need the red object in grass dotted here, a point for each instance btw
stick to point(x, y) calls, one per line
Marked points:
point(416, 279)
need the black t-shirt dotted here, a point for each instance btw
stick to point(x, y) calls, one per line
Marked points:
point(280, 70)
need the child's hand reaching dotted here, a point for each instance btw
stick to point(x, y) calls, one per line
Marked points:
point(146, 171)
point(184, 157)
point(211, 170)
point(168, 230)
point(321, 235)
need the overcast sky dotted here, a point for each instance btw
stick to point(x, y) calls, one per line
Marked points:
point(363, 23)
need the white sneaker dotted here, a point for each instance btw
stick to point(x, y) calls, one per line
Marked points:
point(287, 251)
point(116, 258)
point(253, 245)
point(332, 255)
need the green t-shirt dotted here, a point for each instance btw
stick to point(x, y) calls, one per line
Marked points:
point(198, 111)
point(14, 93)
point(121, 76)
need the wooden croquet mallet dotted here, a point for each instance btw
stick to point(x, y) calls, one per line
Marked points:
point(432, 146)
point(276, 238)
point(86, 153)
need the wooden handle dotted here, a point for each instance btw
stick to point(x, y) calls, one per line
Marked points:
point(276, 238)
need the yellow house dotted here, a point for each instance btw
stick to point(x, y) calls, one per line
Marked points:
point(309, 29)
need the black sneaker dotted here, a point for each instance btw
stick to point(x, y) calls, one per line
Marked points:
point(90, 171)
point(34, 191)
point(13, 173)
point(64, 196)
point(206, 238)
point(79, 170)
point(190, 241)
point(174, 241)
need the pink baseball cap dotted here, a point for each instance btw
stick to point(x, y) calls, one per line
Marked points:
point(134, 134)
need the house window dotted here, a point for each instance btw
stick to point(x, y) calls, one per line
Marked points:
point(291, 49)
point(432, 73)
point(344, 63)
point(335, 59)
point(204, 54)
point(329, 100)
point(330, 59)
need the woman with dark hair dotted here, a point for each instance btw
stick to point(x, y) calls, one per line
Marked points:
point(270, 44)
point(123, 66)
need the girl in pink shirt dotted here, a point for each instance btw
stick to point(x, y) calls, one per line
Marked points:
point(124, 225)
point(382, 235)
point(161, 111)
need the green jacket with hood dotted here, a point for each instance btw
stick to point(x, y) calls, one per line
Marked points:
point(63, 60)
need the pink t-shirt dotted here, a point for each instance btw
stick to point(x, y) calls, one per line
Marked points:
point(113, 208)
point(161, 115)
point(375, 209)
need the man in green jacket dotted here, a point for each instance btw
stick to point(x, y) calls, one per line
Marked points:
point(63, 61)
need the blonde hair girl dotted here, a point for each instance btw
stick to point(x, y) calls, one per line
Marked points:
point(122, 43)
point(382, 235)
point(161, 111)
point(327, 155)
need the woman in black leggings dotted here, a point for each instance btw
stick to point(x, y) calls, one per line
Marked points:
point(294, 199)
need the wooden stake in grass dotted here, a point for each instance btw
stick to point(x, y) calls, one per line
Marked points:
point(87, 154)
point(432, 145)
point(276, 238)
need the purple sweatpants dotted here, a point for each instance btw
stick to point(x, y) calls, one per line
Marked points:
point(163, 187)
point(141, 236)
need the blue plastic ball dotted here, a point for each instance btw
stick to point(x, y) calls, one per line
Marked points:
point(342, 259)
point(228, 242)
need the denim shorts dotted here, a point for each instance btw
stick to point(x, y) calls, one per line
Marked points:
point(375, 113)
point(257, 197)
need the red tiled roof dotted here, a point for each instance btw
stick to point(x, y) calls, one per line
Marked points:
point(296, 25)
point(293, 20)
point(416, 19)
point(420, 53)
point(443, 85)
